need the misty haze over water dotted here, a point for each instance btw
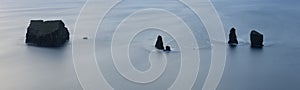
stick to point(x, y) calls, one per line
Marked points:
point(275, 67)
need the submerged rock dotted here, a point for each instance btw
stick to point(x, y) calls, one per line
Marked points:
point(256, 39)
point(159, 43)
point(232, 37)
point(168, 48)
point(47, 33)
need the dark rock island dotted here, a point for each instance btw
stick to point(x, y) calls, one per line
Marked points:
point(256, 39)
point(168, 48)
point(232, 37)
point(159, 43)
point(47, 33)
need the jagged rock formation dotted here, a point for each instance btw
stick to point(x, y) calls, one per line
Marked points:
point(256, 39)
point(47, 33)
point(159, 43)
point(232, 37)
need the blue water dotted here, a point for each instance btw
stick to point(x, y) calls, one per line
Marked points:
point(275, 67)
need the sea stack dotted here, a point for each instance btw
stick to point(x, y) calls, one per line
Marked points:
point(47, 33)
point(168, 48)
point(256, 39)
point(232, 37)
point(159, 43)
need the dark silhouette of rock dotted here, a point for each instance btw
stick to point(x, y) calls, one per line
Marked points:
point(47, 33)
point(256, 39)
point(168, 48)
point(159, 43)
point(232, 37)
point(85, 38)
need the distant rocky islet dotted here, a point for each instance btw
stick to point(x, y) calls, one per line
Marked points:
point(256, 38)
point(47, 33)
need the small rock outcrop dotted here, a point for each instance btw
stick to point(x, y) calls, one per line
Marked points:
point(232, 37)
point(256, 39)
point(159, 43)
point(47, 33)
point(85, 38)
point(168, 48)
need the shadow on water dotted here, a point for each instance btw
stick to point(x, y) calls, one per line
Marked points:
point(231, 49)
point(232, 46)
point(53, 47)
